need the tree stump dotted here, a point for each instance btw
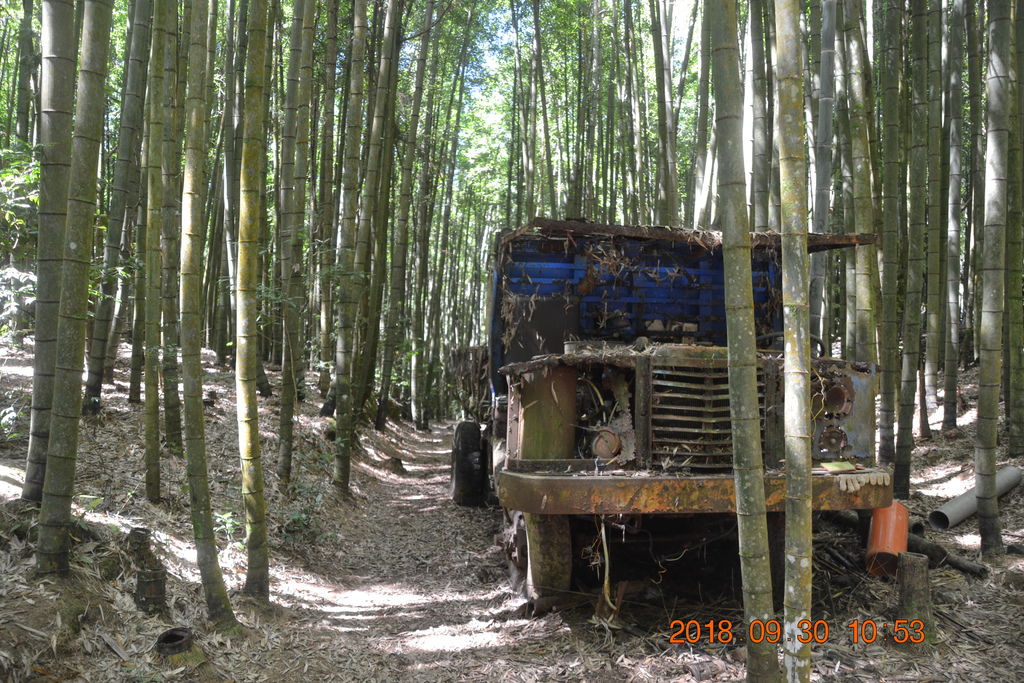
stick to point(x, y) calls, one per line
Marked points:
point(150, 575)
point(177, 648)
point(915, 596)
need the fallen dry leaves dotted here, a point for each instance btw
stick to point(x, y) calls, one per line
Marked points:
point(396, 583)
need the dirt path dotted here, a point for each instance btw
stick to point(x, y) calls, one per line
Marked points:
point(420, 591)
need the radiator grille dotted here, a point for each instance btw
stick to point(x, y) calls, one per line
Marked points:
point(690, 421)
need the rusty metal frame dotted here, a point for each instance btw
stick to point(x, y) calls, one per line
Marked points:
point(710, 239)
point(568, 491)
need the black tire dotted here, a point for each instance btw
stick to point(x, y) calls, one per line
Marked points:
point(540, 556)
point(549, 556)
point(468, 485)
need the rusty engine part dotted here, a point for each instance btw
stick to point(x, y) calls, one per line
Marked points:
point(606, 444)
point(833, 439)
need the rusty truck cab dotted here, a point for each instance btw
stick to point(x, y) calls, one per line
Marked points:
point(609, 375)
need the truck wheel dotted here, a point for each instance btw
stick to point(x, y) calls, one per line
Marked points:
point(549, 556)
point(515, 549)
point(468, 484)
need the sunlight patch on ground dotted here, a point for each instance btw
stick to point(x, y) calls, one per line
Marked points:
point(949, 488)
point(11, 479)
point(473, 634)
point(373, 602)
point(437, 478)
point(970, 416)
point(81, 507)
point(85, 507)
point(179, 553)
point(381, 595)
point(442, 451)
point(12, 368)
point(183, 549)
point(376, 452)
point(428, 466)
point(327, 599)
point(935, 417)
point(290, 585)
point(969, 540)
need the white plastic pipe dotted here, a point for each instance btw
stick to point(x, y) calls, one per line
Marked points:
point(964, 506)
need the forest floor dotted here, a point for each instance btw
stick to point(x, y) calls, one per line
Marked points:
point(396, 583)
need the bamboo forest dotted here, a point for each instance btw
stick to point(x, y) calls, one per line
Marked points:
point(429, 340)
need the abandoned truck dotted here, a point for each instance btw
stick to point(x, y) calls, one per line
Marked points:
point(609, 414)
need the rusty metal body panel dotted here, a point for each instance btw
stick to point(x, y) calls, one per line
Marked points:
point(672, 414)
point(675, 400)
point(588, 493)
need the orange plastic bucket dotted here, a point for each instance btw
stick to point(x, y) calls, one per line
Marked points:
point(887, 539)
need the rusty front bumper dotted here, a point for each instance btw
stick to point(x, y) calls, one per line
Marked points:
point(572, 493)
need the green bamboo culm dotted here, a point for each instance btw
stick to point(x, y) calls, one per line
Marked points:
point(998, 92)
point(953, 217)
point(154, 225)
point(191, 288)
point(796, 319)
point(129, 142)
point(247, 363)
point(58, 485)
point(1014, 319)
point(56, 104)
point(347, 302)
point(915, 258)
point(893, 162)
point(933, 283)
point(745, 411)
point(863, 200)
point(294, 152)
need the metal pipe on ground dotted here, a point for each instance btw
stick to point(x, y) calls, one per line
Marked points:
point(964, 506)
